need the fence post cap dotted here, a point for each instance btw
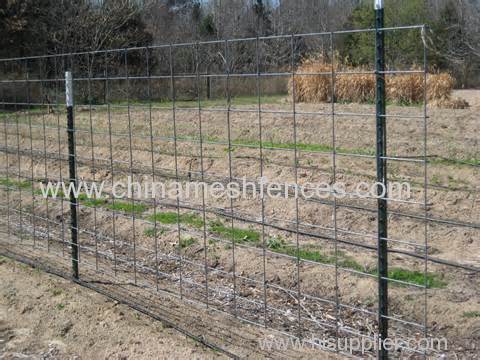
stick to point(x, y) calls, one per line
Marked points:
point(378, 4)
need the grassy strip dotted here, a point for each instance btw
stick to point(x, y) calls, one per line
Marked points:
point(83, 199)
point(471, 314)
point(150, 232)
point(237, 234)
point(278, 245)
point(15, 183)
point(127, 207)
point(170, 217)
point(304, 147)
point(240, 235)
point(414, 277)
point(206, 103)
point(91, 202)
point(455, 162)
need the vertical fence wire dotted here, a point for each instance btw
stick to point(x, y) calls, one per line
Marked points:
point(262, 198)
point(297, 210)
point(130, 169)
point(32, 159)
point(334, 176)
point(48, 109)
point(425, 191)
point(20, 179)
point(7, 177)
point(150, 125)
point(90, 64)
point(230, 173)
point(177, 178)
point(112, 170)
point(196, 64)
point(59, 157)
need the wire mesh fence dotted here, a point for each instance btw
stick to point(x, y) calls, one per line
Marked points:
point(223, 112)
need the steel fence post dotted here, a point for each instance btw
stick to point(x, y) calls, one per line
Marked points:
point(72, 172)
point(381, 146)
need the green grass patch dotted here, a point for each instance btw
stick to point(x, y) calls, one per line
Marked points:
point(150, 232)
point(82, 198)
point(471, 314)
point(91, 202)
point(316, 256)
point(57, 292)
point(10, 183)
point(304, 147)
point(191, 219)
point(50, 192)
point(187, 242)
point(455, 162)
point(417, 277)
point(414, 277)
point(237, 234)
point(275, 243)
point(171, 217)
point(344, 261)
point(127, 207)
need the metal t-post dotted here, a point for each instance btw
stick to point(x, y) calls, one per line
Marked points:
point(381, 177)
point(72, 172)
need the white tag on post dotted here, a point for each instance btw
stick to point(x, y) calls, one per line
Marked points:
point(69, 88)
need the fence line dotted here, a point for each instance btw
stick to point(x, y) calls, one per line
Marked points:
point(258, 261)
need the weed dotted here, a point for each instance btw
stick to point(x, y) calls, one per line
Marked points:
point(275, 243)
point(24, 266)
point(56, 292)
point(16, 184)
point(435, 180)
point(90, 201)
point(279, 246)
point(238, 235)
point(414, 277)
point(171, 217)
point(187, 242)
point(127, 207)
point(150, 232)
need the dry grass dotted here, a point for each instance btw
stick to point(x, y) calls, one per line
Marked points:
point(312, 88)
point(359, 86)
point(356, 87)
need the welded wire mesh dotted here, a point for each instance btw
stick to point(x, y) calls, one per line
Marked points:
point(211, 112)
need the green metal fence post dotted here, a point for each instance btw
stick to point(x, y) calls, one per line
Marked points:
point(72, 172)
point(381, 176)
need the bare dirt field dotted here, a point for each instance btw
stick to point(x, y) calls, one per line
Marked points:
point(307, 267)
point(45, 317)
